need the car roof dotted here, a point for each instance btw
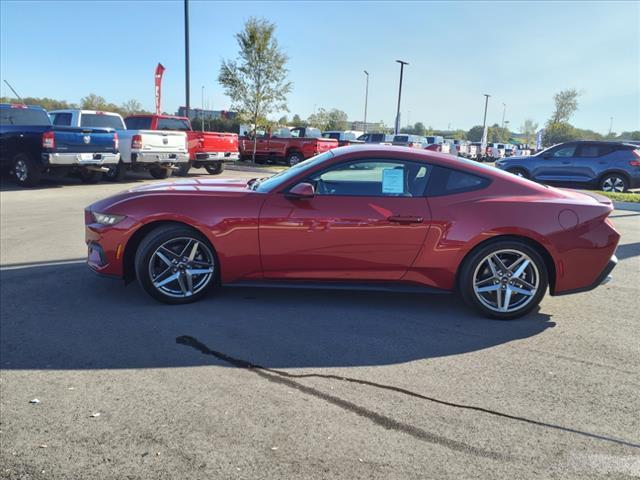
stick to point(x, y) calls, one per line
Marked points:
point(21, 105)
point(93, 112)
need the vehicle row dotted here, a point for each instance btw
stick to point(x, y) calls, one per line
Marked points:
point(92, 144)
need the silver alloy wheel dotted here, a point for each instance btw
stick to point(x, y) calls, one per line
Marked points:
point(294, 159)
point(506, 280)
point(181, 267)
point(613, 184)
point(21, 170)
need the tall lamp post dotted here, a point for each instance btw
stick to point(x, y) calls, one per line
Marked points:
point(202, 107)
point(402, 64)
point(186, 54)
point(483, 144)
point(504, 111)
point(366, 98)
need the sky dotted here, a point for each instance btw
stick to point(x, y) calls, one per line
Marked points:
point(519, 52)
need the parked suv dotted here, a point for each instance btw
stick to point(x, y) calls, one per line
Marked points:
point(609, 166)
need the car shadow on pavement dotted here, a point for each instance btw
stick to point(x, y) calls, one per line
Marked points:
point(65, 317)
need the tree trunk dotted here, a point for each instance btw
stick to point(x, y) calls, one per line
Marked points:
point(255, 137)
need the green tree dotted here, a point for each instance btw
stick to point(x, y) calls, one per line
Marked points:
point(557, 133)
point(566, 103)
point(256, 82)
point(132, 107)
point(319, 119)
point(336, 120)
point(475, 133)
point(419, 129)
point(296, 121)
point(633, 136)
point(529, 129)
point(284, 120)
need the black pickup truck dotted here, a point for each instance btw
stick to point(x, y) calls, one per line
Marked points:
point(31, 146)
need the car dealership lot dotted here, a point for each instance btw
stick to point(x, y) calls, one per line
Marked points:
point(265, 383)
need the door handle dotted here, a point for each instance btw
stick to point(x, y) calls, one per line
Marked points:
point(404, 219)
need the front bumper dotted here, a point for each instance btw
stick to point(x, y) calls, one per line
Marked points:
point(80, 159)
point(159, 157)
point(602, 279)
point(217, 157)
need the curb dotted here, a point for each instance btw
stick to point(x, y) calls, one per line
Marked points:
point(633, 207)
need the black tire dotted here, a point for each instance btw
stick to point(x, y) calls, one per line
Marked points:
point(215, 169)
point(294, 158)
point(475, 264)
point(116, 173)
point(145, 256)
point(614, 182)
point(90, 177)
point(160, 173)
point(26, 172)
point(183, 169)
point(520, 172)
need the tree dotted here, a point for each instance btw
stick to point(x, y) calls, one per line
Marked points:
point(319, 119)
point(256, 81)
point(93, 102)
point(566, 103)
point(497, 134)
point(475, 133)
point(634, 135)
point(296, 121)
point(283, 120)
point(132, 107)
point(336, 120)
point(529, 129)
point(557, 133)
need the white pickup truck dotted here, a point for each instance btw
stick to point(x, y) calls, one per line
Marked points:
point(158, 151)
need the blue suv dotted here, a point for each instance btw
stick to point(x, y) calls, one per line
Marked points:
point(609, 166)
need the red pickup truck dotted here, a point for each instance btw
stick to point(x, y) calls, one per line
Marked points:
point(288, 145)
point(206, 149)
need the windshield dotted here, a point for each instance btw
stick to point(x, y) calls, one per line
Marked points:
point(100, 120)
point(335, 135)
point(268, 184)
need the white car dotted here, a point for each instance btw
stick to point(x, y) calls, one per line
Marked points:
point(158, 151)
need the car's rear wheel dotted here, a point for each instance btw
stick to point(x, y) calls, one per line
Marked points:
point(520, 172)
point(215, 169)
point(160, 173)
point(503, 279)
point(175, 264)
point(90, 176)
point(116, 173)
point(294, 158)
point(27, 173)
point(183, 169)
point(614, 183)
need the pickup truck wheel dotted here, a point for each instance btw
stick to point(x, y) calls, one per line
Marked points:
point(90, 176)
point(215, 169)
point(183, 169)
point(294, 158)
point(159, 172)
point(26, 171)
point(116, 173)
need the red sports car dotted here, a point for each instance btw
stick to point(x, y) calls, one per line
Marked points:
point(378, 217)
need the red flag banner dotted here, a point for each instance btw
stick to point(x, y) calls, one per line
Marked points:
point(158, 81)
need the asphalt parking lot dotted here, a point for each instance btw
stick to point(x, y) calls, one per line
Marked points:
point(262, 383)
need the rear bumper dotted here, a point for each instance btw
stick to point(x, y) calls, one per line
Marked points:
point(603, 278)
point(159, 157)
point(81, 159)
point(205, 157)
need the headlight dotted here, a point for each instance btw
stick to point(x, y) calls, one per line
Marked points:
point(107, 218)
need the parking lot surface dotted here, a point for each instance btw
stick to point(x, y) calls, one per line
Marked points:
point(266, 383)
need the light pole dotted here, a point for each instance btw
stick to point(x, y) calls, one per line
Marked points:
point(202, 107)
point(186, 54)
point(366, 98)
point(483, 144)
point(504, 110)
point(402, 64)
point(610, 125)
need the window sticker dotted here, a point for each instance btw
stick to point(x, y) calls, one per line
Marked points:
point(393, 180)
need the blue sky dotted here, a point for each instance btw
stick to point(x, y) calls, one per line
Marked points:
point(521, 53)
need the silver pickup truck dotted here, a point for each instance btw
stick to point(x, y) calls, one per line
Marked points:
point(157, 151)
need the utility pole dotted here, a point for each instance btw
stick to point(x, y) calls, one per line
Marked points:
point(202, 107)
point(186, 55)
point(483, 144)
point(402, 64)
point(610, 125)
point(504, 110)
point(366, 98)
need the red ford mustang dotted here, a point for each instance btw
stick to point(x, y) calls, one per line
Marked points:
point(376, 217)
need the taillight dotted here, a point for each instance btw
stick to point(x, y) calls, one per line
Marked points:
point(136, 142)
point(48, 140)
point(636, 163)
point(116, 142)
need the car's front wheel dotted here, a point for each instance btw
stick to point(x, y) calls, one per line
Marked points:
point(614, 183)
point(215, 169)
point(294, 158)
point(175, 264)
point(503, 279)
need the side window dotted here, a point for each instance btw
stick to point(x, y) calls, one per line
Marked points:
point(566, 151)
point(62, 119)
point(447, 181)
point(295, 133)
point(589, 151)
point(374, 178)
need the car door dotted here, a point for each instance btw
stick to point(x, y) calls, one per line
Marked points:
point(590, 159)
point(556, 164)
point(367, 221)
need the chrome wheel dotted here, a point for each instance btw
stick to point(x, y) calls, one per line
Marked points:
point(21, 170)
point(294, 159)
point(613, 183)
point(506, 280)
point(181, 267)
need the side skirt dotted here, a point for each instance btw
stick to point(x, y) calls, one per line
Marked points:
point(328, 285)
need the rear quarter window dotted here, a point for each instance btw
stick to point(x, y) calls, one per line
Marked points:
point(448, 181)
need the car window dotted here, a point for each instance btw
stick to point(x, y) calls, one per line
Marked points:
point(23, 116)
point(447, 181)
point(334, 135)
point(588, 151)
point(179, 124)
point(138, 123)
point(97, 120)
point(61, 118)
point(375, 178)
point(566, 151)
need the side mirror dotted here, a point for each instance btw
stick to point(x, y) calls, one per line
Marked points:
point(302, 190)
